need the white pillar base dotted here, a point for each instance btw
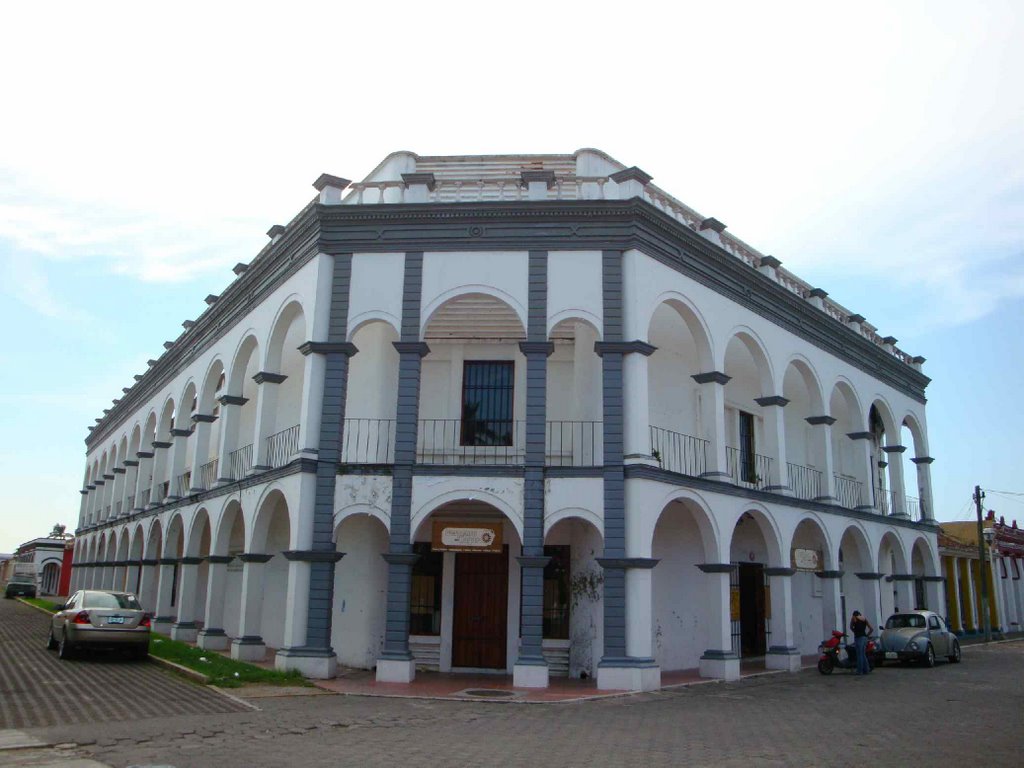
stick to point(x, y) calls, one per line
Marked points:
point(788, 660)
point(314, 667)
point(248, 649)
point(186, 633)
point(720, 668)
point(530, 676)
point(216, 641)
point(629, 678)
point(162, 625)
point(396, 670)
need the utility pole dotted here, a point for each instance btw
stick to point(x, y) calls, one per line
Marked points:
point(982, 562)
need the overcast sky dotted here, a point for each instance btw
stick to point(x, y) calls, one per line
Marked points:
point(876, 149)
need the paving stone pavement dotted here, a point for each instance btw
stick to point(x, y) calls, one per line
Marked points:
point(898, 716)
point(38, 689)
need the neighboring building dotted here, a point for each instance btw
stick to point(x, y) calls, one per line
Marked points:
point(958, 548)
point(51, 556)
point(6, 567)
point(524, 413)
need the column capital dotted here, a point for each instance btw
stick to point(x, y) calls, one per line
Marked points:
point(426, 179)
point(411, 348)
point(232, 400)
point(312, 556)
point(894, 448)
point(131, 462)
point(108, 476)
point(119, 470)
point(624, 347)
point(144, 454)
point(537, 347)
point(712, 377)
point(267, 377)
point(778, 400)
point(829, 574)
point(400, 558)
point(816, 421)
point(219, 559)
point(922, 460)
point(902, 577)
point(160, 444)
point(532, 562)
point(253, 557)
point(180, 432)
point(346, 348)
point(716, 567)
point(191, 560)
point(203, 418)
point(779, 571)
point(859, 435)
point(627, 563)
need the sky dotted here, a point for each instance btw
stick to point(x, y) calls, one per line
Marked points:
point(876, 149)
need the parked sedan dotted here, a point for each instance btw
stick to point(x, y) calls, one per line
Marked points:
point(918, 636)
point(96, 619)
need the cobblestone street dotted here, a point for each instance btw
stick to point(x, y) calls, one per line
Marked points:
point(899, 716)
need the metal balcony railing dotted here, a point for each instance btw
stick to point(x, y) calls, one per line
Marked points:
point(749, 470)
point(368, 441)
point(467, 442)
point(282, 445)
point(240, 462)
point(183, 483)
point(849, 492)
point(207, 475)
point(574, 443)
point(680, 453)
point(805, 481)
point(885, 501)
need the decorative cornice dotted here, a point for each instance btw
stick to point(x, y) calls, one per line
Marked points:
point(325, 180)
point(411, 348)
point(778, 400)
point(537, 347)
point(770, 261)
point(275, 231)
point(313, 556)
point(817, 293)
point(712, 377)
point(817, 421)
point(716, 567)
point(624, 347)
point(149, 561)
point(713, 224)
point(859, 435)
point(427, 179)
point(934, 579)
point(922, 460)
point(266, 377)
point(547, 177)
point(632, 174)
point(167, 561)
point(346, 348)
point(254, 557)
point(232, 400)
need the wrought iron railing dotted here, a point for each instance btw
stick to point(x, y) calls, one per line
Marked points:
point(574, 443)
point(805, 481)
point(368, 441)
point(885, 501)
point(477, 441)
point(183, 483)
point(240, 462)
point(849, 492)
point(749, 470)
point(282, 445)
point(680, 453)
point(207, 475)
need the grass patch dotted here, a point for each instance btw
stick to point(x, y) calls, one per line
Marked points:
point(222, 671)
point(46, 605)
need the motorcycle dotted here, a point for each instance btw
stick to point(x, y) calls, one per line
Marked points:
point(831, 659)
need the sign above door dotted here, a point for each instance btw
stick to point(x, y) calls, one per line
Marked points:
point(463, 536)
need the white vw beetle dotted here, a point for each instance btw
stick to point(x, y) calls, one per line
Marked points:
point(918, 636)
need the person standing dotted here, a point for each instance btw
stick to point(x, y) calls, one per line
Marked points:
point(861, 629)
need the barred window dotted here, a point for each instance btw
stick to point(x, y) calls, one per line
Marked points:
point(487, 389)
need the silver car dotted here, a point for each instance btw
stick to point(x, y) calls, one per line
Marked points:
point(98, 619)
point(918, 636)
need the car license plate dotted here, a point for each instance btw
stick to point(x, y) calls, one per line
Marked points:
point(115, 620)
point(891, 655)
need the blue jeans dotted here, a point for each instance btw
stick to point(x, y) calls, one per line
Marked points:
point(862, 655)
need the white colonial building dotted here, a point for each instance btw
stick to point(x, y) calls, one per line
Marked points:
point(524, 413)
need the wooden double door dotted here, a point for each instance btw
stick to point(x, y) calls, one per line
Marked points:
point(480, 612)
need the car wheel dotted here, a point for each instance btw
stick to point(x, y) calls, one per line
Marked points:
point(65, 650)
point(51, 641)
point(929, 656)
point(954, 657)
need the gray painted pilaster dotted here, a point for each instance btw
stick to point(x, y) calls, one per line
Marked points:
point(332, 420)
point(536, 348)
point(399, 556)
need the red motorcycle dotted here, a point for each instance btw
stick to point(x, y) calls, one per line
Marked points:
point(831, 659)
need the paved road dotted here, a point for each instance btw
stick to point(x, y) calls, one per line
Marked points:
point(967, 713)
point(37, 689)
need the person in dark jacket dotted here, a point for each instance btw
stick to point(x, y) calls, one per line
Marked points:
point(861, 629)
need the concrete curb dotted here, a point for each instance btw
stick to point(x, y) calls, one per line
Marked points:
point(198, 677)
point(23, 601)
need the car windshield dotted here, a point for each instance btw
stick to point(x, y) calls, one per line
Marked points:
point(108, 600)
point(902, 621)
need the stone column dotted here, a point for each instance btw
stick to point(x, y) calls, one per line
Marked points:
point(118, 580)
point(935, 593)
point(212, 636)
point(894, 455)
point(165, 616)
point(147, 584)
point(831, 601)
point(783, 653)
point(822, 442)
point(144, 480)
point(249, 646)
point(178, 488)
point(863, 443)
point(719, 661)
point(201, 456)
point(184, 628)
point(996, 594)
point(924, 485)
point(712, 409)
point(636, 405)
point(230, 412)
point(956, 620)
point(308, 626)
point(971, 622)
point(131, 484)
point(531, 669)
point(266, 422)
point(118, 493)
point(101, 512)
point(396, 664)
point(160, 457)
point(775, 438)
point(873, 612)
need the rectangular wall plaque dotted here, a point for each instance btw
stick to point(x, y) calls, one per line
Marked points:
point(463, 536)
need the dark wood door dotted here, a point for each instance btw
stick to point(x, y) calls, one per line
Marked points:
point(752, 613)
point(480, 616)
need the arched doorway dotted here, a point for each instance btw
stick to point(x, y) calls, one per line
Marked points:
point(360, 591)
point(753, 548)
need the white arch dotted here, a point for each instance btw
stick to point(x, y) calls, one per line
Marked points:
point(684, 494)
point(769, 528)
point(472, 494)
point(567, 513)
point(362, 508)
point(465, 290)
point(831, 549)
point(758, 350)
point(574, 313)
point(814, 387)
point(705, 346)
point(283, 320)
point(363, 319)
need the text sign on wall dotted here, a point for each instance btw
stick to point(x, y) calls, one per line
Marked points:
point(806, 559)
point(466, 537)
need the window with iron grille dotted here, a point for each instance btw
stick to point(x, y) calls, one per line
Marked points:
point(487, 389)
point(748, 473)
point(425, 600)
point(556, 592)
